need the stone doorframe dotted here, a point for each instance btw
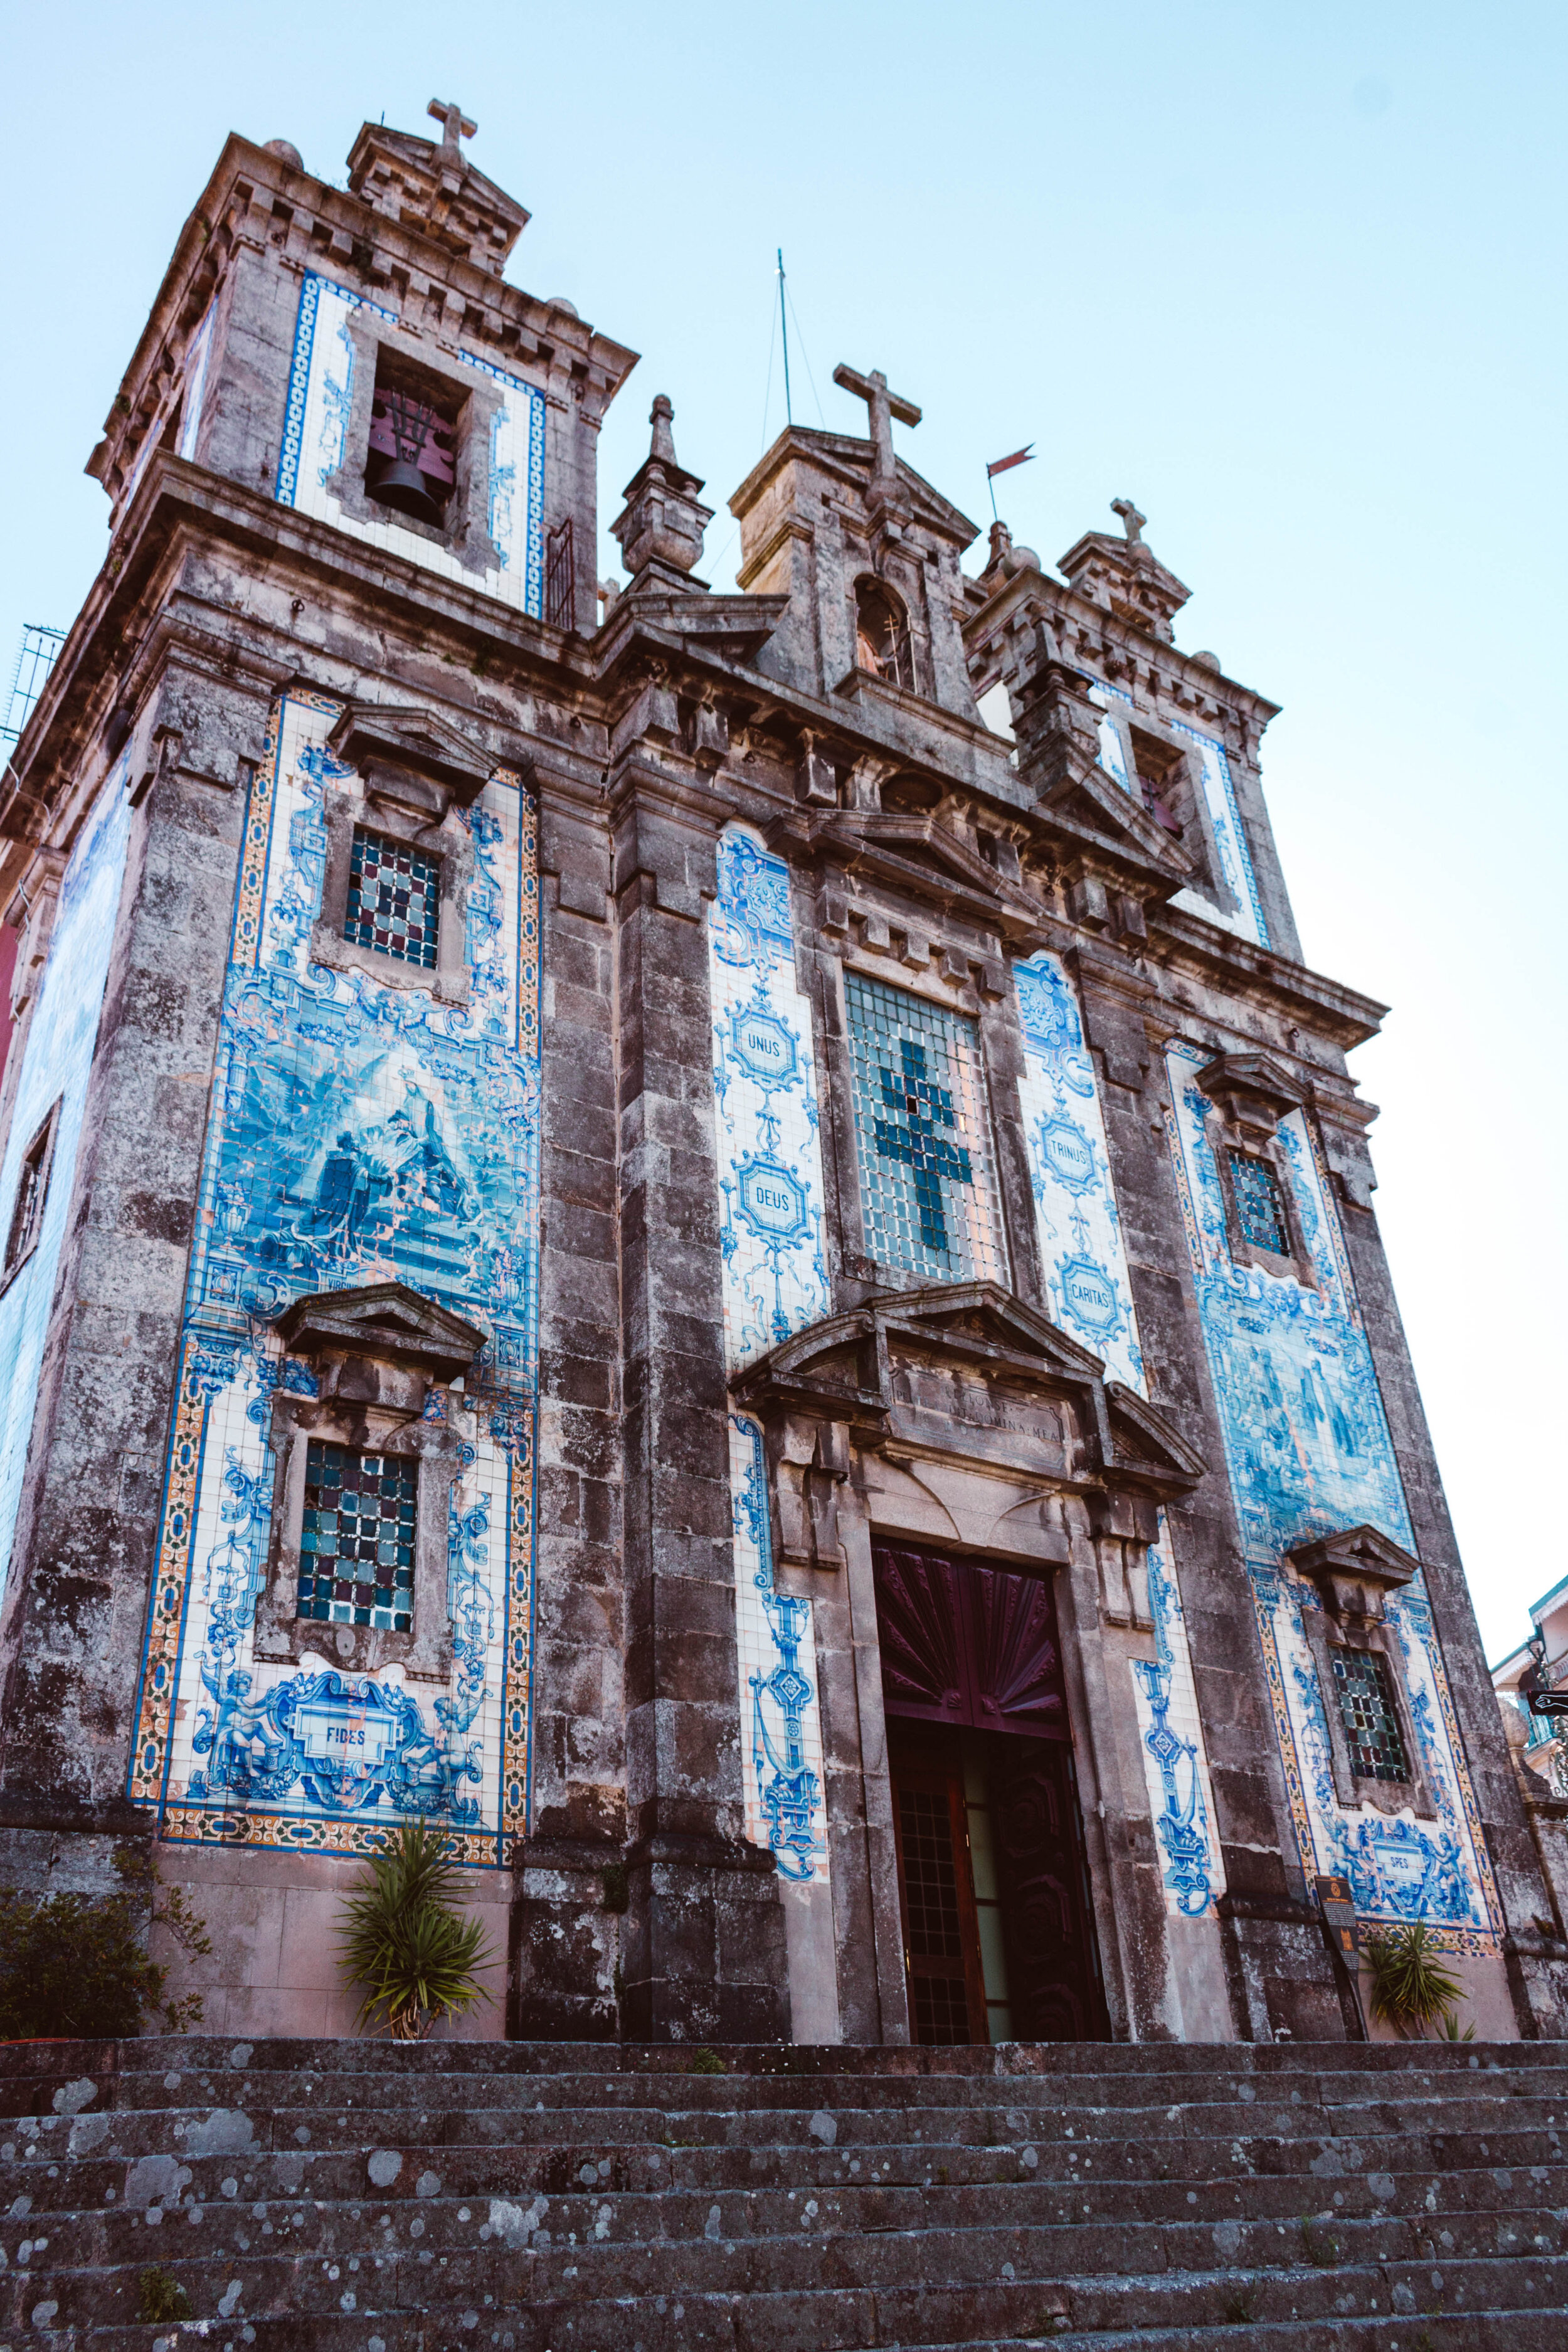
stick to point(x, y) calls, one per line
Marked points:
point(957, 1416)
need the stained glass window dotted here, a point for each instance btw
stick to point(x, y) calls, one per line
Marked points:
point(1259, 1204)
point(1372, 1727)
point(356, 1547)
point(927, 1193)
point(394, 899)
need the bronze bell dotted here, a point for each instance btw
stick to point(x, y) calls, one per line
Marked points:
point(399, 483)
point(407, 455)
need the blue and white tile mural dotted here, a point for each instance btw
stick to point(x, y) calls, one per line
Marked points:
point(774, 1284)
point(320, 400)
point(55, 1069)
point(1091, 1297)
point(1309, 1452)
point(359, 1132)
point(1246, 917)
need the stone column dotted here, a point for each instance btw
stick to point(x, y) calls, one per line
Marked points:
point(703, 1954)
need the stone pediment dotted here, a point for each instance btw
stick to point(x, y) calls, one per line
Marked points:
point(411, 755)
point(1255, 1091)
point(385, 1320)
point(1355, 1570)
point(971, 1369)
point(427, 185)
point(1094, 805)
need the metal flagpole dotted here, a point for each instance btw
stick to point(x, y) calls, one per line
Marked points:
point(784, 323)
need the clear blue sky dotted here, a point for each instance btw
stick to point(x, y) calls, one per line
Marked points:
point(1290, 275)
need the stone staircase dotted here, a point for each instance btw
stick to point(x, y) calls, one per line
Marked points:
point(551, 2198)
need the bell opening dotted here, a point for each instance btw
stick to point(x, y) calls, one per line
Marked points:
point(410, 465)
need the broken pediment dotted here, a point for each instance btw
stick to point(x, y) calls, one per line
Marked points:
point(1124, 577)
point(914, 855)
point(977, 1360)
point(385, 1321)
point(411, 757)
point(1355, 1570)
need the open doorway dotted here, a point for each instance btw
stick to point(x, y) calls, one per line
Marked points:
point(993, 1892)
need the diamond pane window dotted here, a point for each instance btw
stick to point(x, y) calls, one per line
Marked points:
point(1259, 1204)
point(356, 1547)
point(927, 1193)
point(393, 902)
point(1372, 1727)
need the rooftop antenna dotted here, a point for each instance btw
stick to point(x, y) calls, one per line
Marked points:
point(784, 323)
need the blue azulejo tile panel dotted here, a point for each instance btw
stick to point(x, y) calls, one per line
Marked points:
point(1245, 916)
point(315, 429)
point(1309, 1452)
point(57, 1061)
point(769, 1162)
point(764, 1099)
point(781, 1745)
point(929, 1203)
point(358, 1132)
point(1090, 1295)
point(1069, 1170)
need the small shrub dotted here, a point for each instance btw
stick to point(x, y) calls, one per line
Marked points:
point(618, 1886)
point(159, 2295)
point(1241, 2308)
point(1450, 2028)
point(404, 1939)
point(75, 1965)
point(1411, 1988)
point(707, 2061)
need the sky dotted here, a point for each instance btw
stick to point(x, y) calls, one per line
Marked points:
point(1287, 275)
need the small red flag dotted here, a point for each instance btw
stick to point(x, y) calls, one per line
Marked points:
point(1018, 458)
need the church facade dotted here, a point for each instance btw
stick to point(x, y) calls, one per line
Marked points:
point(718, 1240)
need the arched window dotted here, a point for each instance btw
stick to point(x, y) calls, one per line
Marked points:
point(882, 634)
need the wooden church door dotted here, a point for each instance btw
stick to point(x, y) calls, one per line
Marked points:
point(998, 1937)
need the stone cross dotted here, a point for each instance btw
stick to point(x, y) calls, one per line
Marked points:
point(457, 125)
point(884, 406)
point(1132, 522)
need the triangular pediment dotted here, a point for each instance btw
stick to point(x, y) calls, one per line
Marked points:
point(386, 1320)
point(1362, 1552)
point(915, 855)
point(405, 737)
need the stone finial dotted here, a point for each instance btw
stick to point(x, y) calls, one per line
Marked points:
point(661, 525)
point(658, 416)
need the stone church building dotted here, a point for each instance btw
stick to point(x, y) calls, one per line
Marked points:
point(716, 1239)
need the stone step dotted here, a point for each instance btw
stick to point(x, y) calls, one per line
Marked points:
point(866, 2290)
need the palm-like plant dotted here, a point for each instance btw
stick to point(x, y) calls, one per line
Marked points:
point(404, 1939)
point(1411, 1988)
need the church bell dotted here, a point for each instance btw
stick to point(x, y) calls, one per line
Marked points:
point(411, 466)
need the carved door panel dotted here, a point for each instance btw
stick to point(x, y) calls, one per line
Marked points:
point(1052, 1970)
point(964, 1644)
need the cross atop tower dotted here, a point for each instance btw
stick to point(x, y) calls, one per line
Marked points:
point(884, 406)
point(457, 125)
point(1132, 522)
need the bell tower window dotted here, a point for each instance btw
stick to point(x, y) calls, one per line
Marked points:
point(882, 635)
point(1259, 1204)
point(411, 463)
